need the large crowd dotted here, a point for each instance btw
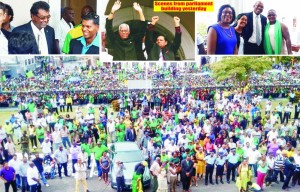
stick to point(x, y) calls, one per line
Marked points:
point(184, 135)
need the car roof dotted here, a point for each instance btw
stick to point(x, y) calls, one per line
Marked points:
point(126, 146)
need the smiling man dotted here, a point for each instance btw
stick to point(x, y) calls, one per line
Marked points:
point(38, 27)
point(89, 42)
point(254, 30)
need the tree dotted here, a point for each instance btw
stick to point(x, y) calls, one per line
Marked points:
point(240, 68)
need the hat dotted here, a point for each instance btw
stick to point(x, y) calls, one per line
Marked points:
point(144, 163)
point(232, 149)
point(221, 153)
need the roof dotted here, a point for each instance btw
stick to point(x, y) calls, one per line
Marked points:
point(126, 146)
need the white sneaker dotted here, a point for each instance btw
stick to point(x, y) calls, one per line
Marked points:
point(47, 185)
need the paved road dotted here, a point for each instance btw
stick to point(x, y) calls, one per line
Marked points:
point(68, 185)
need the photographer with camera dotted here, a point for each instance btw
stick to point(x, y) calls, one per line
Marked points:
point(120, 176)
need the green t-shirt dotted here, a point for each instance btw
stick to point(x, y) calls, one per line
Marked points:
point(99, 151)
point(240, 152)
point(122, 126)
point(87, 148)
point(190, 137)
point(40, 133)
point(31, 107)
point(134, 114)
point(157, 140)
point(120, 136)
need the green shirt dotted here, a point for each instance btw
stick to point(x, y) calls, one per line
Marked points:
point(40, 133)
point(99, 151)
point(31, 107)
point(241, 153)
point(120, 136)
point(134, 114)
point(87, 148)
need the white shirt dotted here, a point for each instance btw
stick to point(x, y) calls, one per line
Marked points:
point(80, 171)
point(111, 126)
point(46, 147)
point(40, 38)
point(61, 30)
point(3, 44)
point(32, 173)
point(271, 135)
point(2, 134)
point(16, 164)
point(253, 156)
point(56, 135)
point(253, 37)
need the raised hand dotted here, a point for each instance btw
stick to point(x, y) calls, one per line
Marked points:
point(177, 21)
point(137, 7)
point(116, 6)
point(154, 20)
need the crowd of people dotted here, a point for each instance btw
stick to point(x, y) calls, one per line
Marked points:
point(37, 37)
point(185, 136)
point(249, 33)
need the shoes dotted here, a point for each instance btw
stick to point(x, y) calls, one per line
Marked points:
point(293, 185)
point(47, 185)
point(67, 175)
point(217, 182)
point(212, 183)
point(234, 180)
point(221, 182)
point(60, 177)
point(206, 184)
point(276, 182)
point(99, 178)
point(228, 182)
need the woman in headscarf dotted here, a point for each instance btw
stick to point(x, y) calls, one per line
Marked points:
point(137, 179)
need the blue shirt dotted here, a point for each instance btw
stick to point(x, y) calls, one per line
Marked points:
point(39, 164)
point(8, 175)
point(86, 48)
point(210, 159)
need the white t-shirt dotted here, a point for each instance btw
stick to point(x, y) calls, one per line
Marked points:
point(32, 172)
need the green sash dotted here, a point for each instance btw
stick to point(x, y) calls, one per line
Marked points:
point(277, 39)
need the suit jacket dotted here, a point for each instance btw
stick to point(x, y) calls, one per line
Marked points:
point(153, 50)
point(249, 27)
point(49, 33)
point(6, 33)
point(129, 136)
point(76, 48)
point(185, 168)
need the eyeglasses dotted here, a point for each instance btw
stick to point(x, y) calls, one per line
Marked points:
point(44, 17)
point(124, 31)
point(227, 12)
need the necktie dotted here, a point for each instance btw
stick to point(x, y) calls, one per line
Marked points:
point(187, 162)
point(40, 43)
point(258, 40)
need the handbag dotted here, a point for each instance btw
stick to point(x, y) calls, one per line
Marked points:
point(178, 169)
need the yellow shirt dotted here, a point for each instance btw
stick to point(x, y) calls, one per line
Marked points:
point(8, 128)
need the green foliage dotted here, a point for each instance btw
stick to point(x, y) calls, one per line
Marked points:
point(286, 59)
point(240, 68)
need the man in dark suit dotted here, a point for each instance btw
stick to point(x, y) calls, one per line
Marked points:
point(38, 26)
point(89, 42)
point(186, 172)
point(130, 134)
point(254, 30)
point(162, 50)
